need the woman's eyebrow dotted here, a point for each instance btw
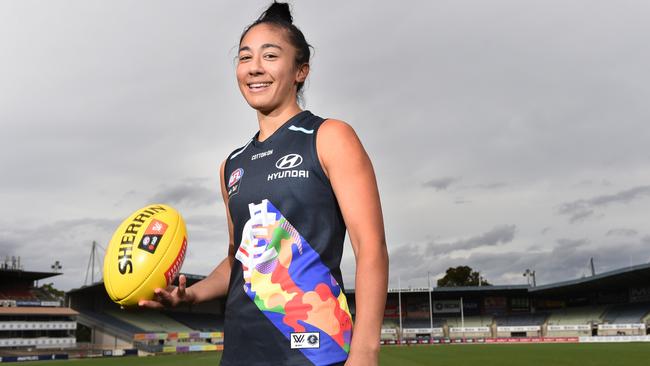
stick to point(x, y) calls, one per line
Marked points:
point(269, 45)
point(266, 45)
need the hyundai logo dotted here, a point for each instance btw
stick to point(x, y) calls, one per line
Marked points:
point(289, 161)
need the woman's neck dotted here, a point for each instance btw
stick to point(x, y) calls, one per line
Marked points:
point(270, 122)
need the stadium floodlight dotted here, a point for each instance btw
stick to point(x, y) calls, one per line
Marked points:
point(56, 266)
point(530, 275)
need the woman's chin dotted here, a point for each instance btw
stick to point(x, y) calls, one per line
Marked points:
point(262, 107)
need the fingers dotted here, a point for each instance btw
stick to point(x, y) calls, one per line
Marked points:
point(165, 297)
point(162, 299)
point(169, 297)
point(150, 304)
point(182, 282)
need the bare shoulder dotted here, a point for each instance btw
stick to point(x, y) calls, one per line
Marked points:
point(336, 134)
point(339, 146)
point(335, 127)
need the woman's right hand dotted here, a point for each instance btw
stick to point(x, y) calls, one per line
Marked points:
point(172, 296)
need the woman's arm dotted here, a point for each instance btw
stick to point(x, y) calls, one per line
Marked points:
point(353, 180)
point(214, 285)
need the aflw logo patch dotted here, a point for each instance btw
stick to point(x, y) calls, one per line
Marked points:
point(305, 340)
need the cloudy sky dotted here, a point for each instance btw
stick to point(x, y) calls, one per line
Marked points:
point(505, 134)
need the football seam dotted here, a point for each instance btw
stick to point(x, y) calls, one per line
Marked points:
point(180, 220)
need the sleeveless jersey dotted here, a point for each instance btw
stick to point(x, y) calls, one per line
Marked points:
point(286, 304)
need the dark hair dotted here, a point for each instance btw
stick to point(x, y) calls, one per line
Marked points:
point(279, 15)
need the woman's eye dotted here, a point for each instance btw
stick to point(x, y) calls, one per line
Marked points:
point(244, 58)
point(270, 56)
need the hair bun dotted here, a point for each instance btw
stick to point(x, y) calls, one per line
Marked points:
point(279, 12)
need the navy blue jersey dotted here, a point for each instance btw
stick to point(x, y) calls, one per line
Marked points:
point(286, 304)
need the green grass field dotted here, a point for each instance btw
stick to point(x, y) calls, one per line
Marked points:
point(606, 354)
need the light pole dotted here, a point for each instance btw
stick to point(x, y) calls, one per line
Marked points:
point(430, 303)
point(530, 275)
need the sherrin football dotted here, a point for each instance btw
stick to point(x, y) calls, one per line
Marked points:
point(146, 252)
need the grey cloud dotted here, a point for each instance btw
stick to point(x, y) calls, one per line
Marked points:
point(191, 194)
point(581, 215)
point(410, 260)
point(494, 185)
point(620, 197)
point(205, 221)
point(571, 243)
point(589, 182)
point(205, 228)
point(416, 258)
point(504, 103)
point(7, 247)
point(498, 235)
point(441, 184)
point(563, 262)
point(584, 208)
point(568, 259)
point(68, 241)
point(622, 232)
point(38, 232)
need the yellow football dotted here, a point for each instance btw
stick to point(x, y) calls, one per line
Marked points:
point(146, 252)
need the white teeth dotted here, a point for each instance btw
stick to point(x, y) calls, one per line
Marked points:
point(258, 85)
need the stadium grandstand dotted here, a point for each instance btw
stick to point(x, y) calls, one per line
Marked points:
point(615, 303)
point(32, 318)
point(105, 325)
point(611, 306)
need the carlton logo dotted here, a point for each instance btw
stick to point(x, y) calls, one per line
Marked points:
point(289, 161)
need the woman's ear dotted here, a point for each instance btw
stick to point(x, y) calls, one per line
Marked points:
point(303, 72)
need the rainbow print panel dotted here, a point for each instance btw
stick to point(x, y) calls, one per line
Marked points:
point(291, 286)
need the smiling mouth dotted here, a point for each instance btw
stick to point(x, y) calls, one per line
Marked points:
point(258, 86)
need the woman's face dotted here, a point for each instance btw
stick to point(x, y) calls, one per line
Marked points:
point(266, 71)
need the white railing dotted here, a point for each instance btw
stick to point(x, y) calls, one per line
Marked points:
point(469, 329)
point(38, 342)
point(621, 326)
point(422, 330)
point(27, 325)
point(568, 327)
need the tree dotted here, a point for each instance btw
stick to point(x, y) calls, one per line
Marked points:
point(49, 288)
point(461, 276)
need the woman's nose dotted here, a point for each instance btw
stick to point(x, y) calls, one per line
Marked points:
point(255, 67)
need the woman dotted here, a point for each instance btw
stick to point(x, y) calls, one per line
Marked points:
point(291, 192)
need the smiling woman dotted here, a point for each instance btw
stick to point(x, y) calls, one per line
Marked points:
point(268, 74)
point(291, 193)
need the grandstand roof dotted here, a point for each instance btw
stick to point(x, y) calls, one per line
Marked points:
point(628, 276)
point(484, 289)
point(10, 275)
point(36, 311)
point(191, 279)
